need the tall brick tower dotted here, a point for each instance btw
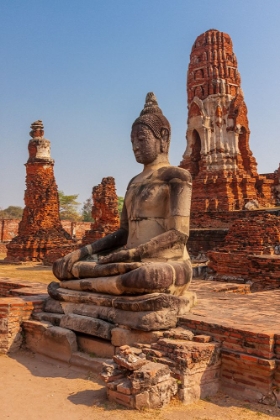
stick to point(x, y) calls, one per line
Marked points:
point(218, 154)
point(40, 229)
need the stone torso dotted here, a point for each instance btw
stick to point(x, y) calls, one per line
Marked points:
point(148, 208)
point(146, 203)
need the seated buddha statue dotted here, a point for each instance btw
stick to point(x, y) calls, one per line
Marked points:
point(148, 253)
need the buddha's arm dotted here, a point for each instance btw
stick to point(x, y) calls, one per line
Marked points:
point(150, 248)
point(62, 268)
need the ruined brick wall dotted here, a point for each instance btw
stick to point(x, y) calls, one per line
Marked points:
point(18, 300)
point(204, 240)
point(76, 229)
point(247, 241)
point(222, 219)
point(40, 228)
point(8, 229)
point(104, 211)
point(3, 248)
point(275, 177)
point(218, 154)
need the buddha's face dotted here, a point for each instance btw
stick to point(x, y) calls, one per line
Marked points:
point(145, 145)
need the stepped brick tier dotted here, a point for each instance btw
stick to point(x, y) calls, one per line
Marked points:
point(18, 301)
point(218, 155)
point(104, 211)
point(40, 229)
point(250, 254)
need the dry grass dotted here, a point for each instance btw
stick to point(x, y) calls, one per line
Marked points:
point(33, 272)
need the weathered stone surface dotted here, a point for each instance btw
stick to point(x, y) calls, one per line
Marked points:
point(120, 398)
point(154, 302)
point(40, 229)
point(104, 211)
point(51, 305)
point(149, 374)
point(54, 319)
point(90, 310)
point(151, 320)
point(218, 155)
point(55, 342)
point(146, 321)
point(85, 361)
point(124, 387)
point(179, 333)
point(149, 386)
point(188, 354)
point(122, 336)
point(147, 302)
point(95, 347)
point(64, 295)
point(129, 361)
point(112, 372)
point(86, 325)
point(142, 320)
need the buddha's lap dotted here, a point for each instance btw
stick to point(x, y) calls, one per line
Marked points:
point(148, 275)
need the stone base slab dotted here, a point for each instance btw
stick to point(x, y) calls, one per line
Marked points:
point(95, 347)
point(59, 344)
point(146, 302)
point(150, 312)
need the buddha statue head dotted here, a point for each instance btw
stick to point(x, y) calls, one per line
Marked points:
point(150, 134)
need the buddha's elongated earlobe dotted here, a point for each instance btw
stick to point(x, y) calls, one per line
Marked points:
point(164, 140)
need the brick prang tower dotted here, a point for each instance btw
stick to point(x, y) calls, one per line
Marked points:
point(40, 229)
point(218, 154)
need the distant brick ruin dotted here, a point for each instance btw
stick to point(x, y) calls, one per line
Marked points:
point(251, 253)
point(218, 154)
point(104, 211)
point(40, 229)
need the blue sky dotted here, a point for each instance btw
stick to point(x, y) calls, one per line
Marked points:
point(85, 66)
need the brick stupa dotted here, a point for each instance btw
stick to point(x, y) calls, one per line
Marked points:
point(40, 229)
point(104, 211)
point(218, 154)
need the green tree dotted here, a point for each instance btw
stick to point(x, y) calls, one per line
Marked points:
point(120, 205)
point(68, 207)
point(86, 210)
point(11, 212)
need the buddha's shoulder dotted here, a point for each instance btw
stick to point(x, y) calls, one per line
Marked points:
point(170, 173)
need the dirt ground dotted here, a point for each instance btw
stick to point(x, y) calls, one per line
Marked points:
point(33, 388)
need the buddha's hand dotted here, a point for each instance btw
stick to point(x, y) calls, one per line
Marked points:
point(62, 268)
point(126, 255)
